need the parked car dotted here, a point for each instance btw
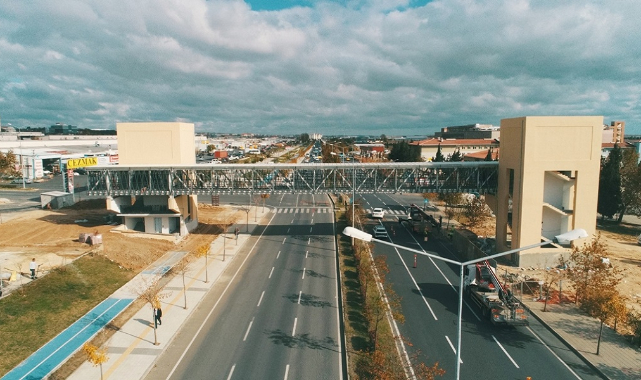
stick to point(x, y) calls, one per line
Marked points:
point(216, 161)
point(20, 180)
point(378, 213)
point(380, 232)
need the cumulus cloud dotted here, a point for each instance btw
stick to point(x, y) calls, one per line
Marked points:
point(363, 67)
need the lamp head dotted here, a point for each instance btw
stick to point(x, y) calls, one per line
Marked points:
point(566, 238)
point(357, 234)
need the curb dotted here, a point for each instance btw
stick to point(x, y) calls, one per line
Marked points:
point(565, 342)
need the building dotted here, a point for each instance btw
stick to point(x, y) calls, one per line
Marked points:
point(156, 144)
point(614, 133)
point(548, 173)
point(429, 147)
point(371, 150)
point(63, 129)
point(471, 131)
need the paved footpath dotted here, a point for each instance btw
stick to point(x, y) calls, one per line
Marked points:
point(131, 350)
point(617, 358)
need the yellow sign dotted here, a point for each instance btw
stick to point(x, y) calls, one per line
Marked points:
point(82, 162)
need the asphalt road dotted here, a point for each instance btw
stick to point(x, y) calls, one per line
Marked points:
point(429, 295)
point(279, 317)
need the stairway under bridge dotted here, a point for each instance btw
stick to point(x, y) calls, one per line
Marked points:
point(389, 177)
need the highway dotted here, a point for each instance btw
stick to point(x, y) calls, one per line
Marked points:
point(430, 305)
point(274, 314)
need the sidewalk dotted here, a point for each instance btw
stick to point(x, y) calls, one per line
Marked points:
point(617, 358)
point(131, 349)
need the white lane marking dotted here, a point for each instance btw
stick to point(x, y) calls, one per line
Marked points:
point(230, 372)
point(288, 230)
point(310, 229)
point(202, 325)
point(248, 328)
point(303, 274)
point(306, 253)
point(294, 330)
point(270, 272)
point(292, 221)
point(505, 352)
point(452, 346)
point(309, 240)
point(415, 284)
point(284, 240)
point(261, 298)
point(553, 353)
point(312, 219)
point(278, 254)
point(286, 372)
point(300, 294)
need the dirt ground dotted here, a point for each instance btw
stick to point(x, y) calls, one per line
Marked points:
point(51, 237)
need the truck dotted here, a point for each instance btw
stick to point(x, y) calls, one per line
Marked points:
point(418, 219)
point(497, 303)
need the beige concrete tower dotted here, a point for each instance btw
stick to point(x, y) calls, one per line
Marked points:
point(548, 183)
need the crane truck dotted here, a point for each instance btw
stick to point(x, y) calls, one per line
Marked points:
point(497, 303)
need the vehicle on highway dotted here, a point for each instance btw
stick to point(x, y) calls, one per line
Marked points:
point(497, 303)
point(378, 213)
point(380, 232)
point(216, 161)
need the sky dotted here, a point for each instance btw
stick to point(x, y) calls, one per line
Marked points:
point(393, 67)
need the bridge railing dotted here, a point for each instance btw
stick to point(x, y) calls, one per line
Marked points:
point(417, 177)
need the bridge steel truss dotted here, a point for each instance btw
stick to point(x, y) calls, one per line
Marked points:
point(388, 177)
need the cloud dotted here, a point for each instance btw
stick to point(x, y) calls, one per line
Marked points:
point(364, 67)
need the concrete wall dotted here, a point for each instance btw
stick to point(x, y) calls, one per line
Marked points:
point(156, 143)
point(553, 159)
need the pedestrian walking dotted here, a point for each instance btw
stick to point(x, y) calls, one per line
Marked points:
point(157, 316)
point(33, 267)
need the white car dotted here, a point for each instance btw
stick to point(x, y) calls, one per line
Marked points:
point(216, 161)
point(378, 213)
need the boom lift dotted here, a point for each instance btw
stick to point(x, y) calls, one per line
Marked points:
point(497, 303)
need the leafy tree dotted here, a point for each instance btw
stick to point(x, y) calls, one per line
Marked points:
point(610, 198)
point(96, 356)
point(439, 155)
point(8, 163)
point(488, 157)
point(384, 138)
point(403, 152)
point(630, 184)
point(203, 251)
point(476, 211)
point(304, 138)
point(456, 156)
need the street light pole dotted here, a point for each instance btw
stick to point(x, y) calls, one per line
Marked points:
point(562, 238)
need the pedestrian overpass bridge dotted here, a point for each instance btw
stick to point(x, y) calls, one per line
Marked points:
point(388, 177)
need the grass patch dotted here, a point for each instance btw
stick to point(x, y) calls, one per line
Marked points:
point(34, 314)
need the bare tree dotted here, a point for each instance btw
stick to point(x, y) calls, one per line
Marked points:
point(151, 293)
point(181, 267)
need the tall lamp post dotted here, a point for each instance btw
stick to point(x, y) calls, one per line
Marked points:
point(564, 238)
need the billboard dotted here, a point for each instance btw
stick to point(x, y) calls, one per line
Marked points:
point(82, 162)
